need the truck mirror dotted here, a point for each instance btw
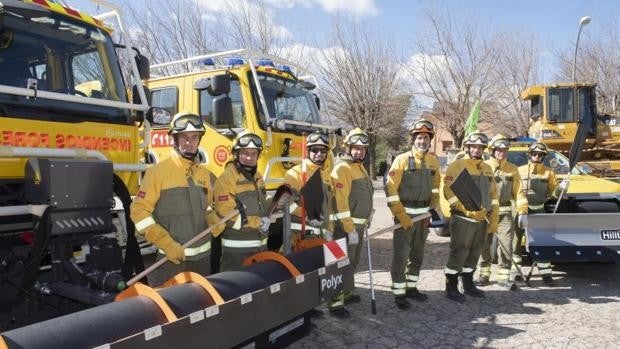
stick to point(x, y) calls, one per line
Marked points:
point(144, 68)
point(222, 109)
point(159, 116)
point(217, 85)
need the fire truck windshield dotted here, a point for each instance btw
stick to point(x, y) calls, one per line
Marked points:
point(287, 99)
point(56, 54)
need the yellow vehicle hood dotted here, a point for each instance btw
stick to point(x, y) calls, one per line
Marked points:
point(590, 184)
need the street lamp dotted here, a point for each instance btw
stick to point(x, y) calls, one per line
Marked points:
point(585, 20)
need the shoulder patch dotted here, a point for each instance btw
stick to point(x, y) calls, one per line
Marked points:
point(391, 174)
point(339, 185)
point(141, 194)
point(448, 178)
point(222, 198)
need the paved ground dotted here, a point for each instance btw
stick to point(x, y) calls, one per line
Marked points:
point(580, 311)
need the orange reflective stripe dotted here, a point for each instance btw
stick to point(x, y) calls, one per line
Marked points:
point(272, 256)
point(188, 276)
point(139, 289)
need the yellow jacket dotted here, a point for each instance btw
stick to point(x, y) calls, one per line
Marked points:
point(508, 182)
point(352, 193)
point(412, 184)
point(482, 174)
point(293, 178)
point(232, 184)
point(175, 198)
point(539, 184)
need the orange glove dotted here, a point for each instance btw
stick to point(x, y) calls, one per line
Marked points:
point(479, 215)
point(162, 239)
point(404, 220)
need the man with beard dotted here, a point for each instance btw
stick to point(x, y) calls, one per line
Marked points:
point(412, 188)
point(174, 203)
point(468, 228)
point(242, 186)
point(353, 197)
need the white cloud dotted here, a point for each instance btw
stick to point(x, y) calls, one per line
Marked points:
point(357, 8)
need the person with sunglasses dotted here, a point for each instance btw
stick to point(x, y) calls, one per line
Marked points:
point(412, 188)
point(353, 193)
point(469, 228)
point(511, 197)
point(316, 231)
point(540, 184)
point(242, 184)
point(174, 202)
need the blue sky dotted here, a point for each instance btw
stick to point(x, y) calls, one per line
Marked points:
point(555, 21)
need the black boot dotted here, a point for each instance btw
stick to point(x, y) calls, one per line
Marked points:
point(339, 312)
point(452, 288)
point(402, 303)
point(413, 293)
point(468, 285)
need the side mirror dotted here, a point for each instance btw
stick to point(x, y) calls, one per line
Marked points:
point(159, 116)
point(222, 109)
point(317, 100)
point(144, 68)
point(215, 85)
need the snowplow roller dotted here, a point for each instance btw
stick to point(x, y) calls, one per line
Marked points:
point(262, 303)
point(574, 237)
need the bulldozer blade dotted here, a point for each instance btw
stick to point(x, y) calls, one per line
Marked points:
point(574, 237)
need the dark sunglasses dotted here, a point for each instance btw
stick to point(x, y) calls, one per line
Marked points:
point(321, 150)
point(538, 154)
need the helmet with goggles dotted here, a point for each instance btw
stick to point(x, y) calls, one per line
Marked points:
point(317, 138)
point(422, 126)
point(185, 121)
point(247, 140)
point(476, 138)
point(499, 142)
point(538, 147)
point(357, 136)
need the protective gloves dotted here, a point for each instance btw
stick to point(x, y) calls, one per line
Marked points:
point(404, 220)
point(522, 221)
point(173, 250)
point(354, 239)
point(264, 224)
point(328, 235)
point(564, 184)
point(479, 215)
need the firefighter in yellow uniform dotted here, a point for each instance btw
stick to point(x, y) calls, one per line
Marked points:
point(174, 203)
point(412, 188)
point(469, 228)
point(511, 197)
point(316, 231)
point(539, 184)
point(353, 196)
point(241, 185)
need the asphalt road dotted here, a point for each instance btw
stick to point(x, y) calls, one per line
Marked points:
point(582, 309)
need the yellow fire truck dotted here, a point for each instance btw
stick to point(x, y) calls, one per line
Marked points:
point(234, 91)
point(70, 157)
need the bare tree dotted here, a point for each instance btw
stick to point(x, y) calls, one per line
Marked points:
point(455, 67)
point(361, 81)
point(516, 69)
point(598, 61)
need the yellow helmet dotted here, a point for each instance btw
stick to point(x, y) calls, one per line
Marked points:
point(538, 147)
point(185, 121)
point(476, 138)
point(422, 126)
point(247, 140)
point(499, 141)
point(317, 138)
point(357, 136)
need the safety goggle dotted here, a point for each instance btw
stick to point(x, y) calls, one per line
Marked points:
point(478, 137)
point(244, 141)
point(314, 137)
point(423, 125)
point(181, 123)
point(502, 143)
point(318, 150)
point(362, 138)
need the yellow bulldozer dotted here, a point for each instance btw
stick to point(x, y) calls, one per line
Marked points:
point(554, 121)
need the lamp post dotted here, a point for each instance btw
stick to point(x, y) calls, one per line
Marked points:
point(585, 20)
